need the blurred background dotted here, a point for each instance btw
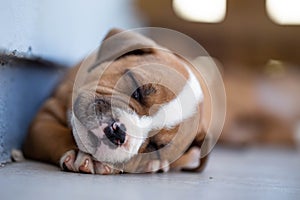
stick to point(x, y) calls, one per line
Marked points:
point(250, 32)
point(255, 42)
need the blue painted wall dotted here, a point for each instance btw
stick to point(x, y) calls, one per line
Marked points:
point(24, 85)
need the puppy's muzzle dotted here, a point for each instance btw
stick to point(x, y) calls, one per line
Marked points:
point(116, 133)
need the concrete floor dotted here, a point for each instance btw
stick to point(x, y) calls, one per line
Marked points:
point(230, 174)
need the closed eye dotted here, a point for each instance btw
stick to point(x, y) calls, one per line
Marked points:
point(141, 91)
point(138, 95)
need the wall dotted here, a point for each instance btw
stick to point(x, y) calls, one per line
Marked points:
point(24, 85)
point(61, 31)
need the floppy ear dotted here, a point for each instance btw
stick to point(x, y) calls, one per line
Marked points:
point(112, 32)
point(119, 42)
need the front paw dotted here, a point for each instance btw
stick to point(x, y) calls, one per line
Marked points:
point(78, 161)
point(158, 166)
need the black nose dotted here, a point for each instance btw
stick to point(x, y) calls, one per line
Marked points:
point(116, 133)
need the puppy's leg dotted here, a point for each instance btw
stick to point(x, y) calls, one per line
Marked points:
point(195, 158)
point(154, 163)
point(158, 166)
point(49, 137)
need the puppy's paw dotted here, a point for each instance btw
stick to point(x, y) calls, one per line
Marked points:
point(77, 162)
point(104, 169)
point(158, 166)
point(189, 160)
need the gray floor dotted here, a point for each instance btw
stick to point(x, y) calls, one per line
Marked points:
point(231, 174)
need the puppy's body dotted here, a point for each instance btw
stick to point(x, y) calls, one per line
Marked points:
point(65, 132)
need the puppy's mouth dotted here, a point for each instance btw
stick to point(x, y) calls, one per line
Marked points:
point(107, 129)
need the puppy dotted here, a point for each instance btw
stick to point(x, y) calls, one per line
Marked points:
point(133, 106)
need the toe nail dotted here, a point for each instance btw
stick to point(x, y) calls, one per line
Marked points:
point(68, 158)
point(107, 169)
point(86, 163)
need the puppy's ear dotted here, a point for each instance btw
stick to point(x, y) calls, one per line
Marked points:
point(112, 32)
point(119, 42)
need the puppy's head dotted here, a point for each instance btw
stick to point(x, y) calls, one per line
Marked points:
point(133, 90)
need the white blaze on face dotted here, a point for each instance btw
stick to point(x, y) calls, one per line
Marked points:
point(182, 107)
point(170, 114)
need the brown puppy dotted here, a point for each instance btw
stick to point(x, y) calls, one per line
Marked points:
point(137, 109)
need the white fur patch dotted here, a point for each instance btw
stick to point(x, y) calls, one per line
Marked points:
point(103, 153)
point(135, 138)
point(184, 106)
point(174, 112)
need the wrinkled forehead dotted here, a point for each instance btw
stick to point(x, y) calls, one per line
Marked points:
point(160, 67)
point(127, 52)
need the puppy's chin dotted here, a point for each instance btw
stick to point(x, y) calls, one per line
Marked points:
point(96, 143)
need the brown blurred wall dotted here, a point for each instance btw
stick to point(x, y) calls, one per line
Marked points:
point(247, 35)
